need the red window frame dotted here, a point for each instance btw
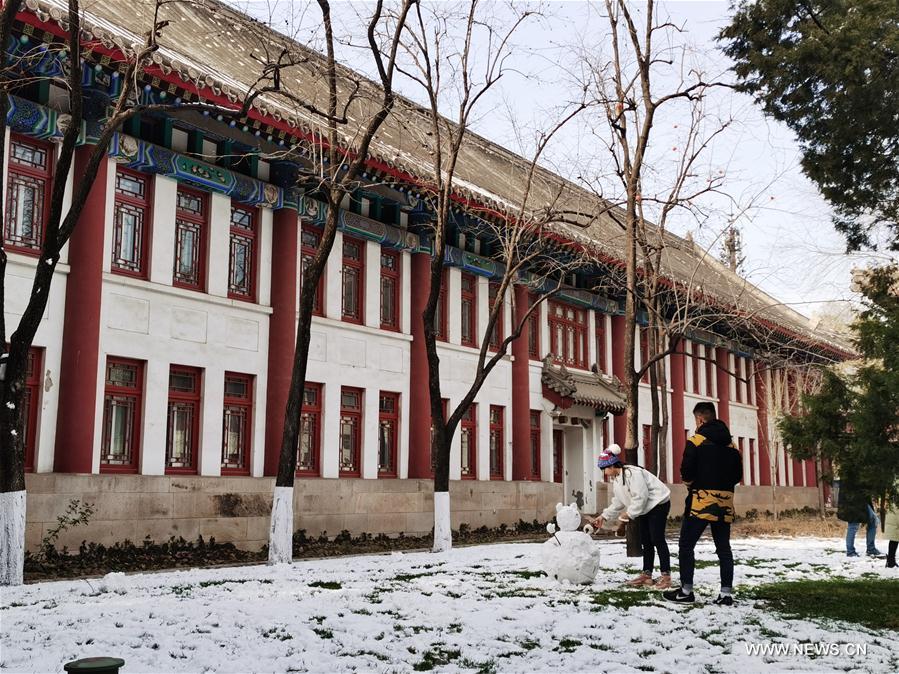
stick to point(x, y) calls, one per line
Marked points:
point(352, 309)
point(388, 433)
point(237, 406)
point(469, 430)
point(20, 172)
point(533, 330)
point(498, 333)
point(648, 450)
point(469, 306)
point(558, 454)
point(644, 353)
point(187, 221)
point(350, 428)
point(444, 402)
point(697, 369)
point(391, 282)
point(33, 387)
point(440, 319)
point(188, 401)
point(244, 232)
point(497, 442)
point(601, 357)
point(570, 324)
point(535, 444)
point(711, 365)
point(132, 395)
point(141, 206)
point(310, 240)
point(311, 426)
point(754, 460)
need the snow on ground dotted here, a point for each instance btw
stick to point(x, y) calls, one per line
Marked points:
point(481, 608)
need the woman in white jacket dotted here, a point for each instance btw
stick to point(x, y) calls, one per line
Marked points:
point(639, 495)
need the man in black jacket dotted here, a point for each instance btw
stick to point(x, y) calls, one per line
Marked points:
point(711, 468)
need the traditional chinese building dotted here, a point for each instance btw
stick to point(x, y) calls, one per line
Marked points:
point(158, 379)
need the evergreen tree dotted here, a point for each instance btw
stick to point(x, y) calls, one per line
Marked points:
point(829, 69)
point(852, 421)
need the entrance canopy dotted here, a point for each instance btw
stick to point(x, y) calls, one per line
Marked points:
point(565, 388)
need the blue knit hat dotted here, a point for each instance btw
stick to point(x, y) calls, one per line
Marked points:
point(609, 457)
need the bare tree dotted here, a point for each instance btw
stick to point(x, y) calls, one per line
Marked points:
point(519, 231)
point(62, 220)
point(350, 120)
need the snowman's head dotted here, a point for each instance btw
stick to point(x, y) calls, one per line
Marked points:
point(568, 517)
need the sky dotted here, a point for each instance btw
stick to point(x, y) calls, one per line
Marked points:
point(791, 249)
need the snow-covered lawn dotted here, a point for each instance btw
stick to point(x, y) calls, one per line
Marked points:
point(479, 608)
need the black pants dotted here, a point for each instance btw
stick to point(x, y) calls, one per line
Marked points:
point(690, 531)
point(652, 538)
point(892, 547)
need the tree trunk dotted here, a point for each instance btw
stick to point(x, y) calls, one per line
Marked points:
point(12, 473)
point(634, 549)
point(280, 548)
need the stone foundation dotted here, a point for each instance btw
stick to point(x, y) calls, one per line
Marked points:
point(236, 509)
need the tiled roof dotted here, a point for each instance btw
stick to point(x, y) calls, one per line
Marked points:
point(210, 44)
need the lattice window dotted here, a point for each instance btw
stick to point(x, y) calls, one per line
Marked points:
point(242, 254)
point(568, 334)
point(353, 280)
point(236, 426)
point(308, 452)
point(468, 431)
point(497, 445)
point(388, 433)
point(390, 290)
point(183, 430)
point(498, 333)
point(535, 443)
point(310, 239)
point(350, 451)
point(469, 310)
point(27, 190)
point(190, 240)
point(131, 222)
point(121, 415)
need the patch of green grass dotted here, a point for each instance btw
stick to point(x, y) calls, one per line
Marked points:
point(487, 667)
point(622, 598)
point(374, 654)
point(236, 581)
point(326, 584)
point(524, 573)
point(437, 656)
point(600, 647)
point(529, 644)
point(858, 601)
point(567, 645)
point(323, 633)
point(406, 577)
point(278, 633)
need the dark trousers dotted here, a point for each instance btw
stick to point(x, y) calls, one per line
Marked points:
point(891, 550)
point(690, 531)
point(652, 538)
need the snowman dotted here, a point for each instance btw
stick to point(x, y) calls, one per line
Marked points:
point(570, 555)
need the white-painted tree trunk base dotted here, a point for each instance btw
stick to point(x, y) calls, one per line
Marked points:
point(443, 532)
point(12, 537)
point(280, 538)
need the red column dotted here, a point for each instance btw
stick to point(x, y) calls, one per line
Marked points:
point(677, 412)
point(723, 376)
point(764, 447)
point(81, 329)
point(810, 477)
point(521, 398)
point(282, 331)
point(618, 334)
point(419, 397)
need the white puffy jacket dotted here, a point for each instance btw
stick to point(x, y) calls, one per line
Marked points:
point(636, 491)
